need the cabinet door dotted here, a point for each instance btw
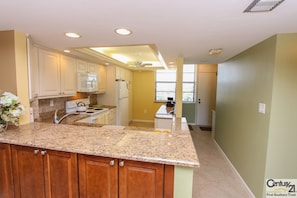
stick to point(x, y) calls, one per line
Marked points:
point(98, 177)
point(101, 118)
point(93, 68)
point(120, 73)
point(61, 174)
point(32, 55)
point(6, 181)
point(163, 123)
point(49, 73)
point(68, 75)
point(141, 179)
point(111, 116)
point(102, 79)
point(27, 172)
point(82, 66)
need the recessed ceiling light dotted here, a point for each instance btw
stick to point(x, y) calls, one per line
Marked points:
point(67, 51)
point(215, 51)
point(72, 35)
point(263, 5)
point(123, 31)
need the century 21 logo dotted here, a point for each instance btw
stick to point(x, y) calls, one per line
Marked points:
point(271, 183)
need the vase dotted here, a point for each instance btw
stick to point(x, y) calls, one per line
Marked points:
point(3, 127)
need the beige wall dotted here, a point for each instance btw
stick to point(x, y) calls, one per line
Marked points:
point(7, 62)
point(144, 107)
point(258, 144)
point(22, 74)
point(13, 68)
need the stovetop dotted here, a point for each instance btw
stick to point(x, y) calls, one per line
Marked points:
point(71, 106)
point(93, 111)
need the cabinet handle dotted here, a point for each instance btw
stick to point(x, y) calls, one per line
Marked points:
point(43, 152)
point(111, 163)
point(122, 163)
point(36, 151)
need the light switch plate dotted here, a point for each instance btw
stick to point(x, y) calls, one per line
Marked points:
point(261, 108)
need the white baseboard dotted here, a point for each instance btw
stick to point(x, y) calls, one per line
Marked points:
point(245, 186)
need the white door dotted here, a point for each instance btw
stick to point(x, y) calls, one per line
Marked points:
point(206, 99)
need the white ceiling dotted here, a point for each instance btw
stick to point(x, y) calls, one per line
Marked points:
point(178, 28)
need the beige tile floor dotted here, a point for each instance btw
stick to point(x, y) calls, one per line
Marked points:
point(214, 178)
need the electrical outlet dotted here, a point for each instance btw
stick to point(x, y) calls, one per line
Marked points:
point(51, 103)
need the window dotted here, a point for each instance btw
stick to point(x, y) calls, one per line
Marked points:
point(189, 83)
point(166, 84)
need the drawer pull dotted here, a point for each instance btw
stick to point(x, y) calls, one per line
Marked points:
point(122, 163)
point(111, 163)
point(43, 152)
point(36, 151)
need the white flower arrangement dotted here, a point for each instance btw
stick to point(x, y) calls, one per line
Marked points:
point(10, 109)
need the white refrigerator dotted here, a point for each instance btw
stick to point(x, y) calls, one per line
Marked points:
point(122, 100)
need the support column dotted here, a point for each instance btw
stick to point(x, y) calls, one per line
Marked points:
point(179, 87)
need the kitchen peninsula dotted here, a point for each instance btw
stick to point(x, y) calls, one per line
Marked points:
point(92, 160)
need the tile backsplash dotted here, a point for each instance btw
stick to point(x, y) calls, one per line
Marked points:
point(45, 108)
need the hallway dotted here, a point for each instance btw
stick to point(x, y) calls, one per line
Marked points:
point(214, 178)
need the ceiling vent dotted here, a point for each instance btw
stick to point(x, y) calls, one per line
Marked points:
point(263, 5)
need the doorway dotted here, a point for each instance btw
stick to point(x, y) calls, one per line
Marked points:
point(206, 94)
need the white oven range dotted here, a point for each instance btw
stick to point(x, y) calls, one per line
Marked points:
point(92, 112)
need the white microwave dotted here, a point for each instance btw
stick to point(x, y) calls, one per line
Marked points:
point(87, 82)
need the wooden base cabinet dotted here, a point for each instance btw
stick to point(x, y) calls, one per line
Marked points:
point(139, 179)
point(27, 172)
point(6, 179)
point(98, 177)
point(107, 177)
point(44, 173)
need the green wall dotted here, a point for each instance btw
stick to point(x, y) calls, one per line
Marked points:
point(242, 132)
point(282, 146)
point(189, 110)
point(260, 146)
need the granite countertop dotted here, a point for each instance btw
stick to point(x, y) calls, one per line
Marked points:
point(165, 112)
point(174, 148)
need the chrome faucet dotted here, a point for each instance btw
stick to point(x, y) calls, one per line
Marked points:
point(58, 121)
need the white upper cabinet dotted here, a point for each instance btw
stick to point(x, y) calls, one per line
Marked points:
point(68, 75)
point(49, 73)
point(102, 79)
point(57, 75)
point(100, 70)
point(93, 68)
point(83, 66)
point(32, 55)
point(123, 74)
point(120, 73)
